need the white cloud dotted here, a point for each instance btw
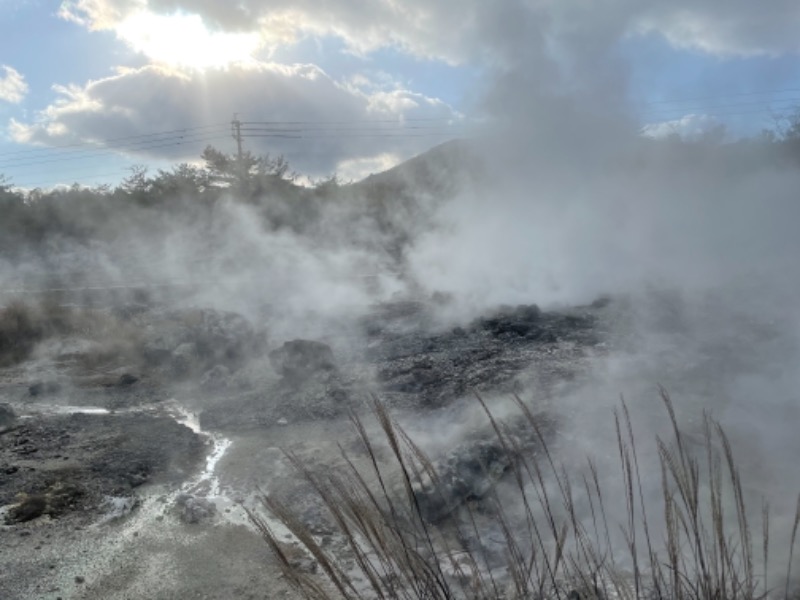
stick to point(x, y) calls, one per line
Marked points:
point(467, 30)
point(355, 169)
point(688, 127)
point(13, 87)
point(323, 123)
point(726, 28)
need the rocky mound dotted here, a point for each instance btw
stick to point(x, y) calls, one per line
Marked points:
point(56, 465)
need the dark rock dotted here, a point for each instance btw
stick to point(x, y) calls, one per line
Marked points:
point(601, 302)
point(416, 365)
point(471, 470)
point(193, 509)
point(56, 500)
point(519, 321)
point(31, 507)
point(127, 379)
point(42, 388)
point(111, 455)
point(299, 359)
point(8, 418)
point(63, 497)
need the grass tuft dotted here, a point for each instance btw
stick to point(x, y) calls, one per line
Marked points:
point(552, 529)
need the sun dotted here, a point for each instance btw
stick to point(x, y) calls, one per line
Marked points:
point(185, 41)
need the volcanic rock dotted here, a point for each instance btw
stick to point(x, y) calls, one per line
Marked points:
point(127, 379)
point(55, 501)
point(183, 358)
point(30, 508)
point(471, 470)
point(41, 388)
point(82, 459)
point(194, 509)
point(215, 379)
point(299, 359)
point(195, 340)
point(7, 418)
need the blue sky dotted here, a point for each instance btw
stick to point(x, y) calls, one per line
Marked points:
point(90, 87)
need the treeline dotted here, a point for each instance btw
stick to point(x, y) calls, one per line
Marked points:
point(144, 201)
point(379, 211)
point(390, 207)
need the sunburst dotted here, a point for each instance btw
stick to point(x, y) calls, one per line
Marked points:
point(185, 41)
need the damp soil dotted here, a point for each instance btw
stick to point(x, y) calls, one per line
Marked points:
point(89, 510)
point(98, 465)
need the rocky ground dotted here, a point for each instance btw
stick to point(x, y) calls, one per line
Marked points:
point(126, 453)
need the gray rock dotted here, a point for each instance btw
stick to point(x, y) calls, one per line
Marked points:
point(192, 341)
point(8, 418)
point(522, 321)
point(216, 379)
point(223, 337)
point(44, 388)
point(194, 509)
point(117, 507)
point(299, 359)
point(184, 358)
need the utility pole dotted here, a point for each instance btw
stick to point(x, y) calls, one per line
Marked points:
point(236, 130)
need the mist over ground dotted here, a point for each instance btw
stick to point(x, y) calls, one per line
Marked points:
point(686, 246)
point(694, 239)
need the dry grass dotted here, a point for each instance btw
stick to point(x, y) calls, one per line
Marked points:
point(697, 545)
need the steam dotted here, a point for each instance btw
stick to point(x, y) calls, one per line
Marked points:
point(696, 242)
point(693, 238)
point(564, 229)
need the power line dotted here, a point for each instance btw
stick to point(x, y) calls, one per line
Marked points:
point(723, 110)
point(144, 142)
point(300, 131)
point(351, 121)
point(122, 142)
point(112, 142)
point(344, 131)
point(138, 147)
point(717, 114)
point(718, 97)
point(757, 107)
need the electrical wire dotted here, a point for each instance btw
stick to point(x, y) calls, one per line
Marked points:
point(140, 147)
point(719, 97)
point(296, 131)
point(113, 142)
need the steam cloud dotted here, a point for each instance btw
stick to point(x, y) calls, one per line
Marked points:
point(699, 238)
